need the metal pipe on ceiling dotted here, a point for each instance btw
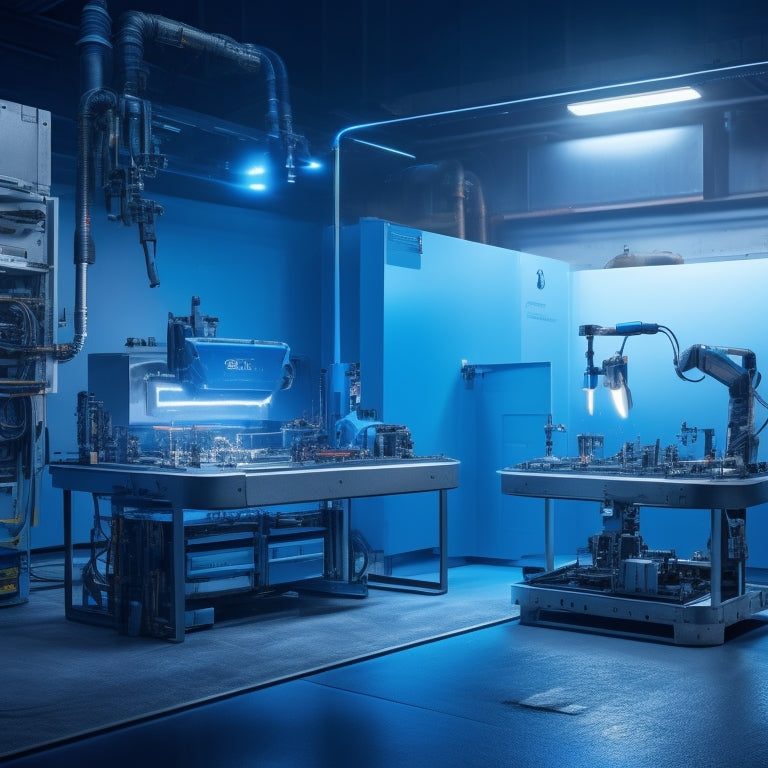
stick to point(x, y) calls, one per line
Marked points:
point(95, 49)
point(138, 28)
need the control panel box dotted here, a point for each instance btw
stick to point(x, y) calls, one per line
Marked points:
point(28, 131)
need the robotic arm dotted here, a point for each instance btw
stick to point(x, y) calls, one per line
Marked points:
point(741, 379)
point(714, 361)
point(614, 369)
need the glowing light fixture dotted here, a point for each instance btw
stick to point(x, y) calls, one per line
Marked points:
point(620, 398)
point(590, 384)
point(174, 396)
point(590, 401)
point(254, 175)
point(633, 101)
point(384, 148)
point(616, 380)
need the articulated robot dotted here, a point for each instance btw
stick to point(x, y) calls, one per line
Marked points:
point(741, 380)
point(618, 583)
point(617, 560)
point(620, 545)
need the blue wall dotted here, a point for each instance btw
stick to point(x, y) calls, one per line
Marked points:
point(426, 303)
point(414, 306)
point(420, 314)
point(259, 273)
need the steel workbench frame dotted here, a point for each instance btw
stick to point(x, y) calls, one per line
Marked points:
point(699, 623)
point(265, 485)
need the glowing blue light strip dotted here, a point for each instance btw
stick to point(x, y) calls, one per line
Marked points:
point(187, 403)
point(385, 149)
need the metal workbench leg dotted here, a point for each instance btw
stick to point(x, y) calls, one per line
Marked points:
point(67, 507)
point(403, 584)
point(177, 528)
point(443, 584)
point(549, 535)
point(346, 517)
point(715, 562)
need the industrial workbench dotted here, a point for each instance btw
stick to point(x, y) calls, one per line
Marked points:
point(699, 623)
point(279, 483)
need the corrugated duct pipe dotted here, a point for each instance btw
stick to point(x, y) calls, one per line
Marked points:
point(95, 47)
point(138, 28)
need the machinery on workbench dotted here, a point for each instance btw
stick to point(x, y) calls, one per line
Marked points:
point(204, 402)
point(618, 576)
point(202, 405)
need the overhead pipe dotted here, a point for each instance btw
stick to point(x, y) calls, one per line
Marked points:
point(284, 106)
point(138, 28)
point(476, 208)
point(93, 103)
point(454, 173)
point(447, 178)
point(95, 48)
point(460, 189)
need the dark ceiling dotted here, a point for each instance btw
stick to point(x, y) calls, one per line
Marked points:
point(357, 61)
point(353, 61)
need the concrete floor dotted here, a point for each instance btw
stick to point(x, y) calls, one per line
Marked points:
point(507, 695)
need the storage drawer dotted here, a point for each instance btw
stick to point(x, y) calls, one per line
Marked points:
point(295, 560)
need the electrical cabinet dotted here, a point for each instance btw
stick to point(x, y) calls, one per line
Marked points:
point(28, 314)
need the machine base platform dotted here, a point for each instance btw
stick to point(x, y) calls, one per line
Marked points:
point(696, 624)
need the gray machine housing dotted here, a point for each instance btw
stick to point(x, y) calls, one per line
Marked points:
point(28, 321)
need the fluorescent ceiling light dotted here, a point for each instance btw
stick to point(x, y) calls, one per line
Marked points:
point(633, 101)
